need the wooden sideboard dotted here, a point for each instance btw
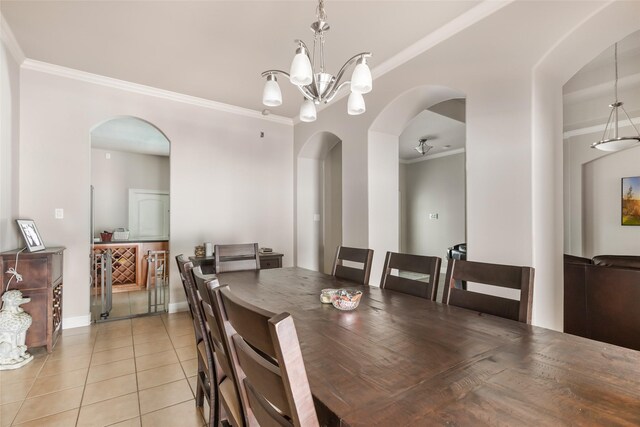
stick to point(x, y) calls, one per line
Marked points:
point(130, 261)
point(267, 260)
point(42, 280)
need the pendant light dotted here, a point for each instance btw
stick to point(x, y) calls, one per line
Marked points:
point(611, 140)
point(308, 74)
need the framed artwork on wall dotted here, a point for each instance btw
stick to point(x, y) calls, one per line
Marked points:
point(631, 200)
point(30, 234)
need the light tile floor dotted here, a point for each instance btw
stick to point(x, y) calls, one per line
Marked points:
point(134, 372)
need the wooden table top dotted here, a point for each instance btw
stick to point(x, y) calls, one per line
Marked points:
point(402, 360)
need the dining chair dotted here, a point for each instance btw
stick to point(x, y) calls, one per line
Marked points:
point(236, 257)
point(503, 276)
point(422, 265)
point(353, 255)
point(206, 380)
point(229, 408)
point(271, 374)
point(181, 261)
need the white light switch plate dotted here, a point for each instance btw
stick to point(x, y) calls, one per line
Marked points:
point(316, 217)
point(59, 213)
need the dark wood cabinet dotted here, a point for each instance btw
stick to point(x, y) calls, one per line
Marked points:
point(42, 280)
point(270, 260)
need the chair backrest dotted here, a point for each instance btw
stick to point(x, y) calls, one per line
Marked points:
point(219, 338)
point(270, 366)
point(412, 264)
point(236, 257)
point(182, 261)
point(505, 276)
point(358, 275)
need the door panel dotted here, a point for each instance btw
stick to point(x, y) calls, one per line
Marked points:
point(148, 214)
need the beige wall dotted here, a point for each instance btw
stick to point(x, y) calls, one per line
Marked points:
point(228, 185)
point(435, 186)
point(9, 149)
point(603, 233)
point(513, 90)
point(112, 178)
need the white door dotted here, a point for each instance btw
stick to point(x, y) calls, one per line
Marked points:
point(148, 214)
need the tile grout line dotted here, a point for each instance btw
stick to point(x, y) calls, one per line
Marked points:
point(34, 382)
point(84, 387)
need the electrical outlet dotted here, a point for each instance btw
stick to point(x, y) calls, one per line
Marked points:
point(59, 213)
point(433, 216)
point(107, 156)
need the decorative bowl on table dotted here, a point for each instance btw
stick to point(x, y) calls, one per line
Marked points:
point(326, 294)
point(346, 299)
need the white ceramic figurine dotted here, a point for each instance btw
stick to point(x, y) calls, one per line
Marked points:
point(14, 323)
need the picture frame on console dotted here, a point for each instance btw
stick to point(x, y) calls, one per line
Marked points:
point(630, 198)
point(31, 235)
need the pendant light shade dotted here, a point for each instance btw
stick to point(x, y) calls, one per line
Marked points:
point(617, 144)
point(271, 95)
point(308, 111)
point(355, 105)
point(301, 73)
point(361, 81)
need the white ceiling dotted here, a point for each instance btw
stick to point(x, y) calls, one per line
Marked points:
point(131, 135)
point(215, 49)
point(440, 130)
point(589, 92)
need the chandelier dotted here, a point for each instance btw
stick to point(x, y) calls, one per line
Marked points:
point(318, 86)
point(422, 146)
point(611, 141)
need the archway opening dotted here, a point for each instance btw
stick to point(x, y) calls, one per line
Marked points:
point(319, 201)
point(396, 222)
point(130, 226)
point(594, 180)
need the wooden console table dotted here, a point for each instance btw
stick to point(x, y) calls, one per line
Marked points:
point(267, 260)
point(42, 282)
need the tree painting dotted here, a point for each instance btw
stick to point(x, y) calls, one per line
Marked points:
point(631, 201)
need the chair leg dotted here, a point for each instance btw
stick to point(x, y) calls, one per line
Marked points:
point(200, 385)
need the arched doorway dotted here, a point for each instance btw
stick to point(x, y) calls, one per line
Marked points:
point(130, 181)
point(383, 166)
point(319, 201)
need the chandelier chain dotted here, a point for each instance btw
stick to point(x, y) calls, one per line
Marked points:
point(615, 53)
point(320, 13)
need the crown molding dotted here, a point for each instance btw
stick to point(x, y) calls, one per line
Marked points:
point(44, 67)
point(433, 156)
point(598, 128)
point(10, 41)
point(448, 30)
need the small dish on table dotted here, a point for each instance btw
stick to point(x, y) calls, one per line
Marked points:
point(346, 299)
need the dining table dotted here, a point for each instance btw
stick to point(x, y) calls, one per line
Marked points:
point(401, 360)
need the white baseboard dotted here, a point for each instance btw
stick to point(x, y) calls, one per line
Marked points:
point(175, 307)
point(76, 322)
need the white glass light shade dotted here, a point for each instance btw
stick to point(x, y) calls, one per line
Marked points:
point(617, 144)
point(301, 73)
point(271, 95)
point(308, 111)
point(361, 81)
point(355, 105)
